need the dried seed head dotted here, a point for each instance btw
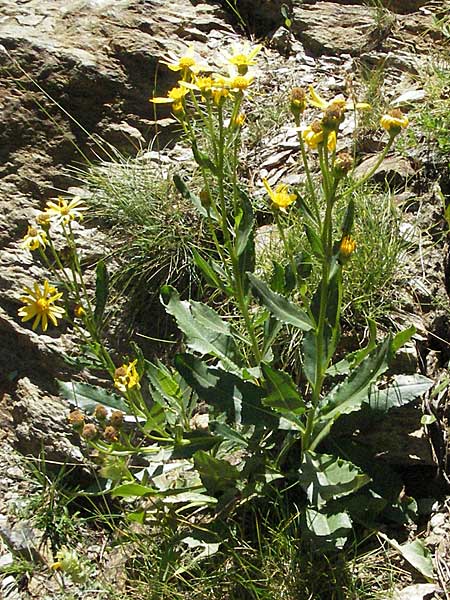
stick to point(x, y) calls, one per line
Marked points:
point(100, 412)
point(116, 419)
point(89, 432)
point(110, 434)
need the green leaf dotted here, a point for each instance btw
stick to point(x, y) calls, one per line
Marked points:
point(403, 389)
point(202, 160)
point(416, 553)
point(283, 395)
point(195, 200)
point(324, 477)
point(327, 530)
point(210, 270)
point(279, 306)
point(428, 419)
point(87, 396)
point(401, 338)
point(347, 224)
point(206, 332)
point(101, 291)
point(226, 392)
point(245, 222)
point(314, 241)
point(348, 396)
point(217, 475)
point(130, 490)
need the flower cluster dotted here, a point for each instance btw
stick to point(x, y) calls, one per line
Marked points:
point(40, 302)
point(213, 87)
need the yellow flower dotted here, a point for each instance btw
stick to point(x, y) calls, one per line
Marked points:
point(239, 83)
point(175, 95)
point(337, 101)
point(204, 85)
point(34, 239)
point(40, 305)
point(238, 120)
point(281, 197)
point(347, 247)
point(79, 311)
point(63, 210)
point(394, 121)
point(241, 58)
point(126, 377)
point(187, 63)
point(313, 136)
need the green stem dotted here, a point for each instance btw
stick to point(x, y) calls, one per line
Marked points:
point(309, 180)
point(286, 246)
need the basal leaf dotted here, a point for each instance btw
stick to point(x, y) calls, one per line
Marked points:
point(327, 531)
point(416, 553)
point(217, 475)
point(324, 477)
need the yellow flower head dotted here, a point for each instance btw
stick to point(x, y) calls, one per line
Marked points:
point(238, 120)
point(240, 83)
point(40, 305)
point(281, 198)
point(241, 58)
point(174, 95)
point(79, 311)
point(313, 136)
point(187, 63)
point(337, 101)
point(126, 377)
point(394, 121)
point(63, 211)
point(34, 239)
point(347, 247)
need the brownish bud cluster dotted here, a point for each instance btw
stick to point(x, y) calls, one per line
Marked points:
point(108, 428)
point(89, 432)
point(343, 164)
point(100, 413)
point(76, 419)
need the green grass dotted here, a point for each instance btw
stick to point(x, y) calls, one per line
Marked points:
point(153, 230)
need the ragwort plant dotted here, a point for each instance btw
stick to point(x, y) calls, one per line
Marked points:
point(226, 428)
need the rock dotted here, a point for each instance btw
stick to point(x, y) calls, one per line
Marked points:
point(22, 539)
point(330, 28)
point(40, 424)
point(418, 591)
point(394, 169)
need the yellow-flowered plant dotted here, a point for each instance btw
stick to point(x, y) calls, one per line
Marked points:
point(272, 423)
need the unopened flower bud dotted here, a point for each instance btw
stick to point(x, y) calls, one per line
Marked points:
point(89, 432)
point(205, 198)
point(76, 419)
point(116, 419)
point(79, 311)
point(239, 120)
point(100, 412)
point(298, 101)
point(343, 164)
point(346, 248)
point(333, 117)
point(110, 434)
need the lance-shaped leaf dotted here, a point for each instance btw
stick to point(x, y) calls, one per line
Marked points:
point(101, 291)
point(87, 396)
point(245, 222)
point(282, 393)
point(324, 477)
point(212, 271)
point(280, 307)
point(205, 331)
point(188, 195)
point(217, 475)
point(348, 396)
